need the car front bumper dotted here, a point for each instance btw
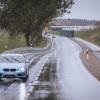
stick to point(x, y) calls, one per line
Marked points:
point(13, 75)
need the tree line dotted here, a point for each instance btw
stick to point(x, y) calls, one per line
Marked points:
point(29, 17)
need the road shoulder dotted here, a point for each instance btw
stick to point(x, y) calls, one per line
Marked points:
point(90, 60)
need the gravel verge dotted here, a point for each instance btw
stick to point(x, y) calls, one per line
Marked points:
point(90, 60)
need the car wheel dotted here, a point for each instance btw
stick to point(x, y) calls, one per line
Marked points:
point(25, 78)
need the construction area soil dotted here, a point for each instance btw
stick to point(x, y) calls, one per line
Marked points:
point(90, 60)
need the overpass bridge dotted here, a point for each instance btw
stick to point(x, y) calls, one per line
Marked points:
point(75, 28)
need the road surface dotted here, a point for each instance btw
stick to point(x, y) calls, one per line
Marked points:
point(75, 82)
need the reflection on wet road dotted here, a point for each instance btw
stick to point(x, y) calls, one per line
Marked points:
point(46, 88)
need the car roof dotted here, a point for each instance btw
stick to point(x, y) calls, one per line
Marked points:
point(11, 54)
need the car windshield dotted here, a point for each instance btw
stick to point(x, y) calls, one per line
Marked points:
point(12, 59)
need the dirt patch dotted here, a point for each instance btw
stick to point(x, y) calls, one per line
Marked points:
point(91, 62)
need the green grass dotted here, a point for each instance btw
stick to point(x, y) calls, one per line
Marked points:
point(91, 35)
point(58, 32)
point(5, 40)
point(42, 43)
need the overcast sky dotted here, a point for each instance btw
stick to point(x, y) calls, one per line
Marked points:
point(85, 9)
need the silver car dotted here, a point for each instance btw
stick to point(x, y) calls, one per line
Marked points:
point(13, 66)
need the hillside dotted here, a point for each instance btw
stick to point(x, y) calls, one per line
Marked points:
point(91, 35)
point(73, 22)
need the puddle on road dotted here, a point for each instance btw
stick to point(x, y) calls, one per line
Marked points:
point(46, 88)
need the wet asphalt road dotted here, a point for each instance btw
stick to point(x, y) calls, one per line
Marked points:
point(73, 81)
point(11, 89)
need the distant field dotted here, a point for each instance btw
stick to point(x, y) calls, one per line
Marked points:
point(56, 32)
point(91, 35)
point(6, 43)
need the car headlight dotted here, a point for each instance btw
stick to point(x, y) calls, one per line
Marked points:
point(21, 69)
point(1, 70)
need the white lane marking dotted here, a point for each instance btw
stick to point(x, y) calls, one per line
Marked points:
point(22, 91)
point(39, 65)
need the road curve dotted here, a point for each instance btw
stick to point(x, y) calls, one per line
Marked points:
point(75, 82)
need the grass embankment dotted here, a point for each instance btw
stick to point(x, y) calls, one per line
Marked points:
point(6, 41)
point(91, 35)
point(42, 43)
